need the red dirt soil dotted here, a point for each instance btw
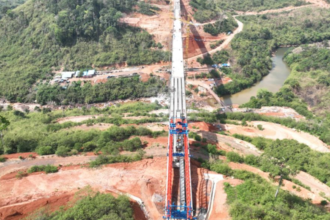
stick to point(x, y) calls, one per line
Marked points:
point(142, 179)
point(23, 155)
point(202, 126)
point(52, 204)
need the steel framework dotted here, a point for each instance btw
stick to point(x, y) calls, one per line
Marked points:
point(179, 206)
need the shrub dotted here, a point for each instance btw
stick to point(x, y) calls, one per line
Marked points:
point(3, 159)
point(44, 150)
point(46, 168)
point(197, 137)
point(235, 157)
point(20, 174)
point(222, 168)
point(62, 151)
point(252, 160)
point(260, 127)
point(324, 202)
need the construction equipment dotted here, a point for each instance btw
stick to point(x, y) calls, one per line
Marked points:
point(178, 204)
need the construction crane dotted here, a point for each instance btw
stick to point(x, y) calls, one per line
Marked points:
point(178, 204)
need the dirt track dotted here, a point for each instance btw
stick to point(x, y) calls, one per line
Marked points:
point(276, 131)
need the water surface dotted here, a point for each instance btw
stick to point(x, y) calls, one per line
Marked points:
point(272, 82)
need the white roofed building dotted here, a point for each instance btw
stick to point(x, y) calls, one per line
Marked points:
point(67, 75)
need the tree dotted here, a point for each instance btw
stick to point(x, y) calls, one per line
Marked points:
point(62, 151)
point(4, 123)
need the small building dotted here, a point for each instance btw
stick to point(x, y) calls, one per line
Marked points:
point(67, 75)
point(85, 73)
point(89, 73)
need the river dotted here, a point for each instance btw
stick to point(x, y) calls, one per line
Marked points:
point(272, 82)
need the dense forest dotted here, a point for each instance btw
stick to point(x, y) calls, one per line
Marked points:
point(91, 206)
point(221, 26)
point(7, 5)
point(39, 36)
point(208, 10)
point(252, 49)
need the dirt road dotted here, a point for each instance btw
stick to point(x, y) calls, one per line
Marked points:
point(224, 44)
point(207, 87)
point(275, 131)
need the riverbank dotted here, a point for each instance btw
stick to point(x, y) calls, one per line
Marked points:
point(272, 82)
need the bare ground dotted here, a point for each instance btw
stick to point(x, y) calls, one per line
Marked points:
point(276, 131)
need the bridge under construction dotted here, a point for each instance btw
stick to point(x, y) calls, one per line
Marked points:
point(179, 201)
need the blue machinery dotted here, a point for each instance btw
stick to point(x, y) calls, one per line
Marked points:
point(178, 202)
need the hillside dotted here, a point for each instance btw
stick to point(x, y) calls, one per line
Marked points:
point(207, 10)
point(251, 50)
point(309, 78)
point(40, 36)
point(7, 5)
point(115, 144)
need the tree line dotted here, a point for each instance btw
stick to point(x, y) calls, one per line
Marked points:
point(112, 89)
point(73, 35)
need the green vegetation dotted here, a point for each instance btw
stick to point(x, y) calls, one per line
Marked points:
point(91, 206)
point(195, 136)
point(212, 149)
point(21, 174)
point(285, 97)
point(2, 159)
point(113, 89)
point(4, 123)
point(252, 49)
point(221, 56)
point(309, 78)
point(208, 10)
point(222, 26)
point(317, 126)
point(100, 160)
point(72, 35)
point(234, 157)
point(147, 9)
point(6, 6)
point(297, 156)
point(39, 131)
point(46, 168)
point(254, 198)
point(216, 44)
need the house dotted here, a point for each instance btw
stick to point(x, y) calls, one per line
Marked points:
point(89, 73)
point(77, 73)
point(67, 75)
